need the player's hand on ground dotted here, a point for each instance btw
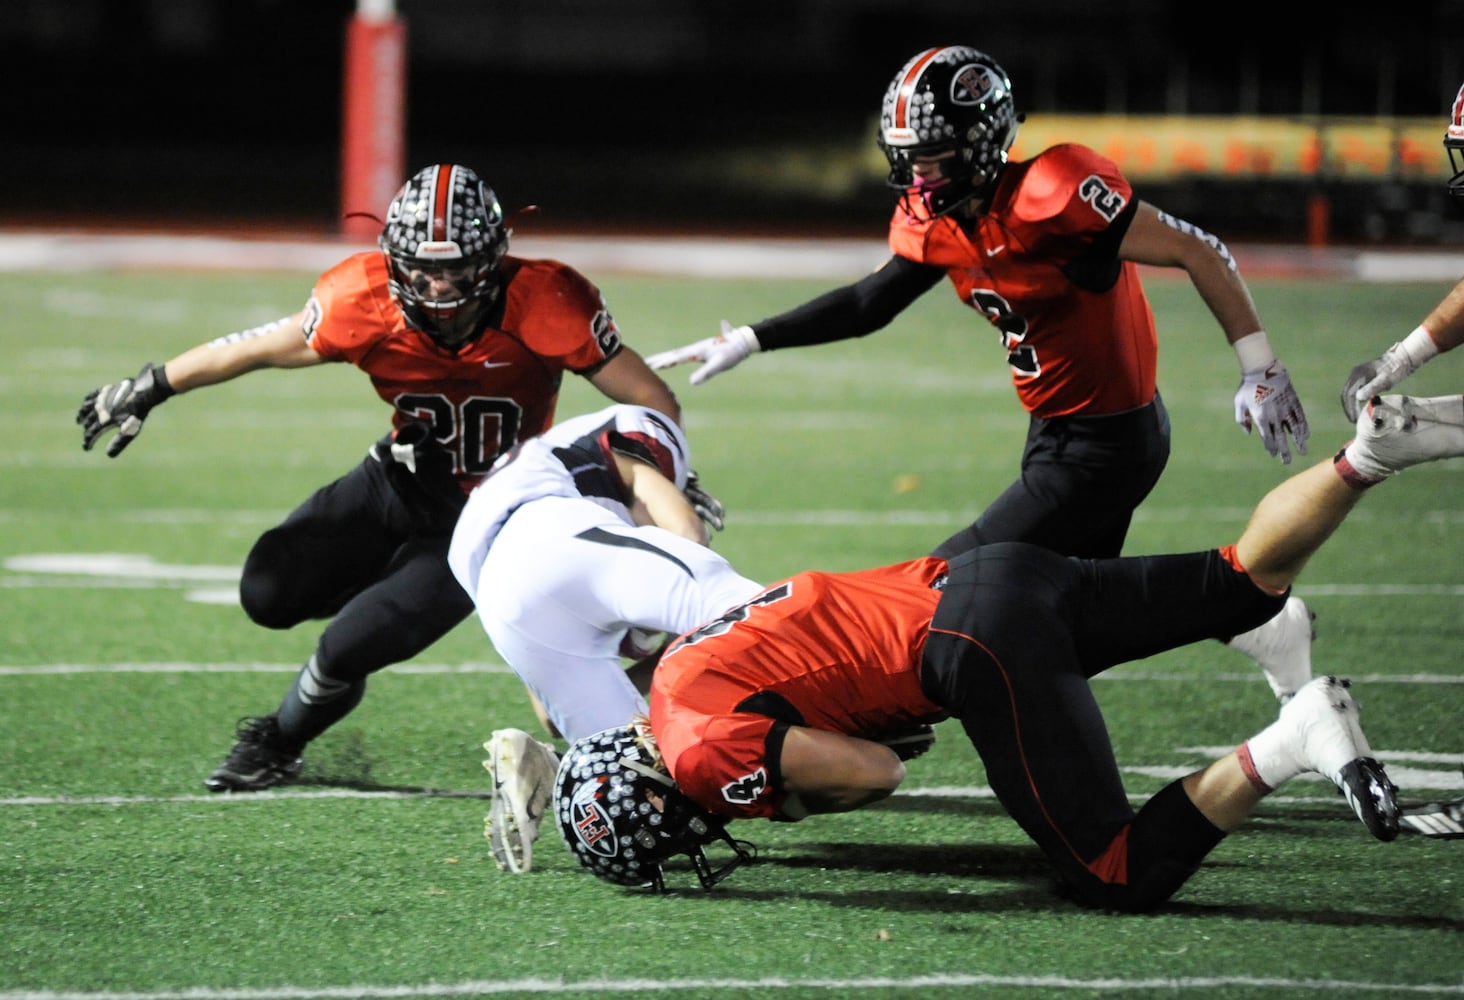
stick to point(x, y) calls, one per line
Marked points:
point(1266, 402)
point(717, 354)
point(123, 405)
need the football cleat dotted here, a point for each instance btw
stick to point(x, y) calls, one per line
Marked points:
point(1328, 740)
point(523, 772)
point(1282, 647)
point(1396, 432)
point(258, 761)
point(1444, 820)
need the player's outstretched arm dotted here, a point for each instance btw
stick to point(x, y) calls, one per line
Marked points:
point(125, 404)
point(717, 354)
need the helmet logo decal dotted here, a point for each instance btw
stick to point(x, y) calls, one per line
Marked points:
point(972, 85)
point(591, 828)
point(746, 788)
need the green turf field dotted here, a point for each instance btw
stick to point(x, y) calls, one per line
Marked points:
point(121, 679)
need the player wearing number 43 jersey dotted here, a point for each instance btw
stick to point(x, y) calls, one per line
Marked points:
point(468, 346)
point(1047, 250)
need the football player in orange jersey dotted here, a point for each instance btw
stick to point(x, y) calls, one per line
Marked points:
point(799, 701)
point(1047, 250)
point(468, 346)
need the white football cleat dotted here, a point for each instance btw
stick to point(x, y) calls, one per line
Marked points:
point(1282, 647)
point(1326, 738)
point(1396, 432)
point(523, 772)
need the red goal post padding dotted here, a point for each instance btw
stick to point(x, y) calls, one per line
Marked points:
point(373, 119)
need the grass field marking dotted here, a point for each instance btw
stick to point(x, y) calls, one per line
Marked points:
point(704, 987)
point(485, 667)
point(826, 517)
point(115, 570)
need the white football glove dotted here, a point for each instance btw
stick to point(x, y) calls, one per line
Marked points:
point(1376, 377)
point(1266, 402)
point(719, 353)
point(123, 405)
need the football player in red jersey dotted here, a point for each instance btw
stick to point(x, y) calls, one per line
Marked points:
point(785, 706)
point(468, 346)
point(1047, 250)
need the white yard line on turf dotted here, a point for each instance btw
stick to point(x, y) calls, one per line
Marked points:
point(767, 984)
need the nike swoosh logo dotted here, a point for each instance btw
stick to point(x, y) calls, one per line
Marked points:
point(497, 364)
point(993, 252)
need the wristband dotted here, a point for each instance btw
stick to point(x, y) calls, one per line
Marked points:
point(1419, 345)
point(1254, 351)
point(748, 337)
point(165, 388)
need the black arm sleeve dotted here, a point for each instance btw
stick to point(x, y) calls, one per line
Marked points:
point(852, 311)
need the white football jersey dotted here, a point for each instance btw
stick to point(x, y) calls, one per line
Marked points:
point(559, 571)
point(571, 459)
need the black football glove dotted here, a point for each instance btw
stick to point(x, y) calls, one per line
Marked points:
point(123, 405)
point(707, 507)
point(420, 471)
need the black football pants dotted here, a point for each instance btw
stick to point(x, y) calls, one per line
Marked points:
point(1081, 479)
point(1015, 638)
point(354, 552)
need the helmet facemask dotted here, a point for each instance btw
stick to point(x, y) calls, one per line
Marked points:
point(622, 816)
point(953, 100)
point(444, 239)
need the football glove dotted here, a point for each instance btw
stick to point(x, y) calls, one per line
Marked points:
point(1376, 377)
point(1266, 402)
point(123, 405)
point(727, 350)
point(707, 507)
point(420, 471)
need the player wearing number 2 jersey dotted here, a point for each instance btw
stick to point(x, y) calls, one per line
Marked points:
point(1047, 250)
point(468, 346)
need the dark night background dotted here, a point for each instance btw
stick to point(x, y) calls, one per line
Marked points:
point(665, 114)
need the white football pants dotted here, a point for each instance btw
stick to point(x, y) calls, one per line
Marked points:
point(563, 582)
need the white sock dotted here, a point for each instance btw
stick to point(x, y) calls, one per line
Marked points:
point(1267, 757)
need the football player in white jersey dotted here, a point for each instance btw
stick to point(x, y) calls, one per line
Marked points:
point(578, 544)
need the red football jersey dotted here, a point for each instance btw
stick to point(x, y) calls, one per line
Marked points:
point(496, 391)
point(842, 649)
point(1086, 348)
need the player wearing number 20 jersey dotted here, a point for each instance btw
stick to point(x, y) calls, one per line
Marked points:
point(494, 391)
point(468, 346)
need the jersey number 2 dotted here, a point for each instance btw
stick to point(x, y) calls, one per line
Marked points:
point(1021, 357)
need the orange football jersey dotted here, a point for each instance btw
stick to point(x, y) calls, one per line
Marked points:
point(843, 650)
point(495, 391)
point(1074, 320)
